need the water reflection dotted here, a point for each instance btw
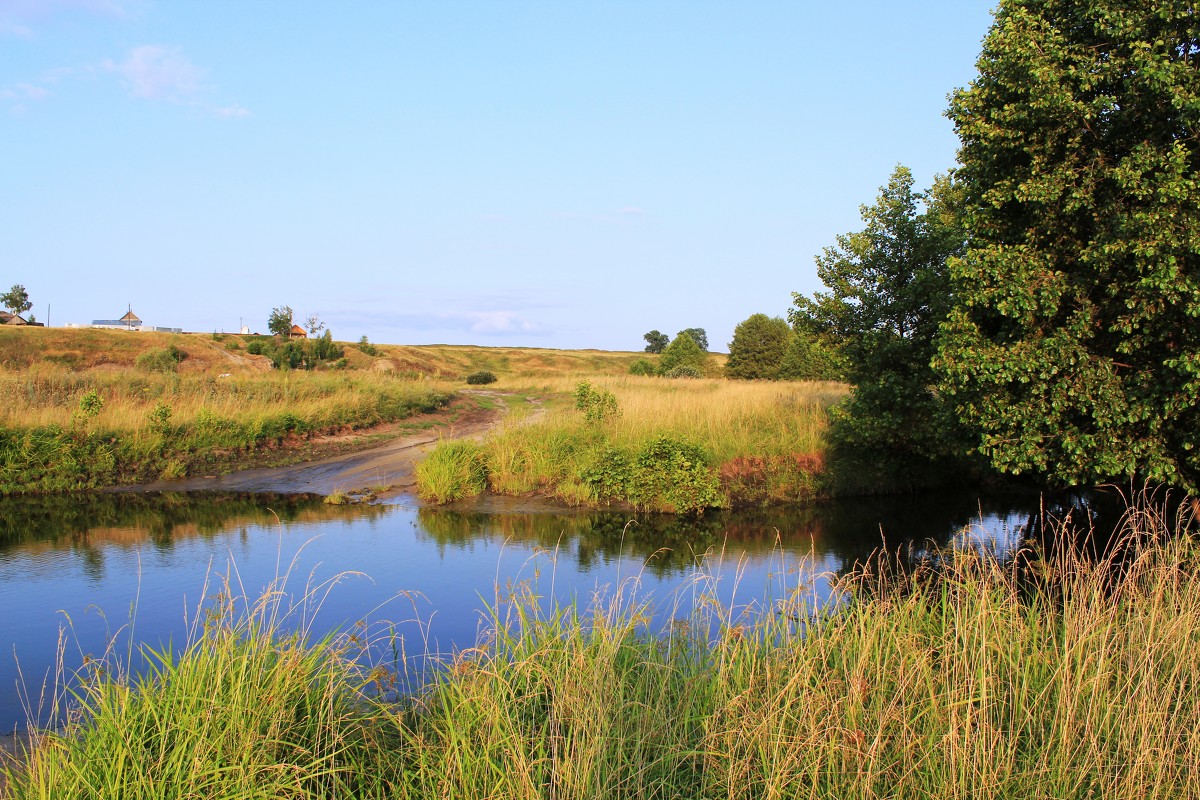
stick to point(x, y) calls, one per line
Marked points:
point(142, 560)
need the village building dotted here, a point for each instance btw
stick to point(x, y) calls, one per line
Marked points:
point(297, 333)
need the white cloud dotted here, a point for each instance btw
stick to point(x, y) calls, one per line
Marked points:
point(231, 112)
point(154, 72)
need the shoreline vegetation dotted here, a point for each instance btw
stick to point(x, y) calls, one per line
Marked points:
point(652, 444)
point(1053, 674)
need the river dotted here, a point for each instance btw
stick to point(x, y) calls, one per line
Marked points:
point(82, 575)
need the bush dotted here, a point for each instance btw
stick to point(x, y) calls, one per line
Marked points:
point(673, 474)
point(481, 377)
point(365, 346)
point(684, 371)
point(642, 367)
point(163, 360)
point(597, 405)
point(255, 348)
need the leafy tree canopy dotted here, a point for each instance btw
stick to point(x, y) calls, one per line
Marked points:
point(656, 341)
point(757, 349)
point(16, 300)
point(699, 336)
point(888, 291)
point(809, 357)
point(1074, 346)
point(683, 352)
point(280, 321)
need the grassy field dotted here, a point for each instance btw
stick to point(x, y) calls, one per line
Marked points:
point(64, 430)
point(91, 350)
point(1039, 678)
point(666, 445)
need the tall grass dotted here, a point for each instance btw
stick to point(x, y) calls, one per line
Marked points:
point(1060, 677)
point(64, 430)
point(743, 442)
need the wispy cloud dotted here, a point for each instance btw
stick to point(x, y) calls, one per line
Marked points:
point(22, 17)
point(154, 72)
point(151, 72)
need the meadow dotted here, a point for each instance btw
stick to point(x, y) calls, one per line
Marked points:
point(651, 443)
point(62, 430)
point(1053, 674)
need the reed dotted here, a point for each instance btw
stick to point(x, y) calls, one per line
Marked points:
point(1048, 675)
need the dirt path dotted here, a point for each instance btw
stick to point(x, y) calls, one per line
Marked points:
point(388, 465)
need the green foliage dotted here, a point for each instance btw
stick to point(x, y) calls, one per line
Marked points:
point(91, 404)
point(699, 336)
point(683, 352)
point(598, 405)
point(452, 471)
point(481, 378)
point(889, 290)
point(671, 473)
point(758, 346)
point(322, 349)
point(365, 346)
point(683, 371)
point(256, 348)
point(656, 341)
point(280, 321)
point(810, 357)
point(1074, 351)
point(159, 418)
point(642, 367)
point(165, 359)
point(16, 300)
point(288, 355)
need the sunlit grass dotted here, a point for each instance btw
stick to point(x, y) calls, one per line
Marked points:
point(769, 434)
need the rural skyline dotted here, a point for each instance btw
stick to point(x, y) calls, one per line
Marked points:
point(528, 174)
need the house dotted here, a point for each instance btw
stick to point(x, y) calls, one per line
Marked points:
point(297, 333)
point(11, 319)
point(129, 322)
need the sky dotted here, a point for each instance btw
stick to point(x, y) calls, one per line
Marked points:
point(563, 174)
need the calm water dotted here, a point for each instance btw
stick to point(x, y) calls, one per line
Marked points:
point(93, 569)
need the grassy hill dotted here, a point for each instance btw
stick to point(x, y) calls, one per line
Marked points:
point(87, 349)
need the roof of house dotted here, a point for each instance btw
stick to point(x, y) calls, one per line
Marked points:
point(14, 319)
point(298, 331)
point(130, 317)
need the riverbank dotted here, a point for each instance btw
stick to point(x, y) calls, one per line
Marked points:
point(651, 444)
point(1046, 676)
point(66, 432)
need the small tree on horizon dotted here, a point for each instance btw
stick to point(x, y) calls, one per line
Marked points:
point(699, 336)
point(280, 321)
point(656, 341)
point(16, 300)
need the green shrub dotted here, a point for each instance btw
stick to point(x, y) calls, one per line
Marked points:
point(609, 473)
point(481, 377)
point(162, 360)
point(642, 367)
point(683, 371)
point(365, 346)
point(672, 473)
point(597, 405)
point(255, 348)
point(232, 346)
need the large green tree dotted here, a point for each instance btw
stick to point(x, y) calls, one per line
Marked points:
point(888, 292)
point(1074, 346)
point(280, 321)
point(757, 349)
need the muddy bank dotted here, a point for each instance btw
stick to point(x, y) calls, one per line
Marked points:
point(386, 468)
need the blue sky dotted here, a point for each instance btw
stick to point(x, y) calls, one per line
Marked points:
point(545, 174)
